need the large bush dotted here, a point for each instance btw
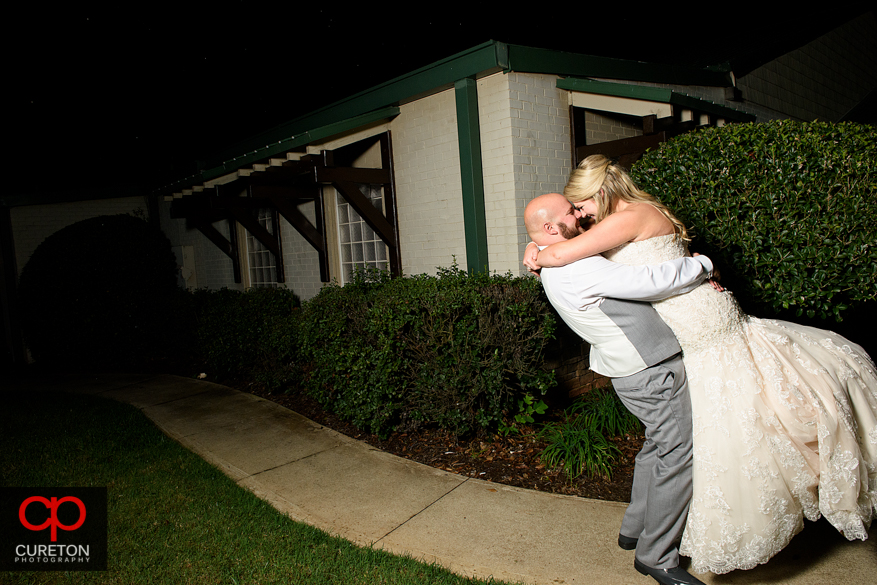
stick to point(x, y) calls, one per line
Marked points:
point(456, 349)
point(787, 209)
point(248, 334)
point(102, 293)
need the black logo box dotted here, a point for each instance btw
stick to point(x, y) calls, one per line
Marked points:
point(25, 549)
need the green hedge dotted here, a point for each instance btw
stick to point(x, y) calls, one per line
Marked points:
point(248, 334)
point(454, 349)
point(787, 210)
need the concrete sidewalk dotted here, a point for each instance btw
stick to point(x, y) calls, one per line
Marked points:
point(473, 527)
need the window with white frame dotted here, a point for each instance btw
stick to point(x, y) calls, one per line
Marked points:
point(261, 269)
point(359, 245)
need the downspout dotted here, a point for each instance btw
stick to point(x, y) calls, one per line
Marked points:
point(472, 175)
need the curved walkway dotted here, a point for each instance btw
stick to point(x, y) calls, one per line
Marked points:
point(477, 528)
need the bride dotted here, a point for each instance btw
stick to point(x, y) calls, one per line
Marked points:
point(785, 416)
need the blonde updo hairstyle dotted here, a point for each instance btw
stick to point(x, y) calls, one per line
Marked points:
point(605, 182)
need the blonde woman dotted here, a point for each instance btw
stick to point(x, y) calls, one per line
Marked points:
point(785, 416)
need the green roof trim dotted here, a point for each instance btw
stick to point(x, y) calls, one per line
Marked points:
point(533, 60)
point(652, 94)
point(478, 61)
point(283, 146)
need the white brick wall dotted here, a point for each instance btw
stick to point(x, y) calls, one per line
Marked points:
point(525, 143)
point(807, 83)
point(301, 262)
point(601, 128)
point(34, 223)
point(213, 269)
point(428, 185)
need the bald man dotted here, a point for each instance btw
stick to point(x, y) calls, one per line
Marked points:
point(607, 304)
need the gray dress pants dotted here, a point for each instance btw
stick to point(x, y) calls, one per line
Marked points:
point(661, 492)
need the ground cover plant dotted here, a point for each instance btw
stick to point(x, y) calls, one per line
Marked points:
point(580, 442)
point(173, 518)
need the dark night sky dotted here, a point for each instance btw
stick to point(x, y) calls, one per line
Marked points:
point(135, 93)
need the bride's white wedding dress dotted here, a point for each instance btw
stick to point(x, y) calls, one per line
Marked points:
point(785, 424)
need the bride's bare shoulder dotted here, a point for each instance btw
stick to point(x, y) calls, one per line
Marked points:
point(650, 219)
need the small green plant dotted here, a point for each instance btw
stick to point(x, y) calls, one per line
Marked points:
point(578, 448)
point(606, 412)
point(579, 443)
point(527, 407)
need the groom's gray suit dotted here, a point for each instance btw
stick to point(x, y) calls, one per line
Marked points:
point(633, 346)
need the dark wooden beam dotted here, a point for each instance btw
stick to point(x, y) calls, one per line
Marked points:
point(353, 175)
point(391, 210)
point(363, 206)
point(225, 246)
point(284, 199)
point(235, 249)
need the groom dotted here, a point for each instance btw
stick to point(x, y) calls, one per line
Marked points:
point(603, 302)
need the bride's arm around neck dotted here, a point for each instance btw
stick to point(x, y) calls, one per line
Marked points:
point(631, 223)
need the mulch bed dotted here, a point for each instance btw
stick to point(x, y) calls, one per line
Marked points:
point(512, 460)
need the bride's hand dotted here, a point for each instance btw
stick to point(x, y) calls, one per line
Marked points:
point(531, 255)
point(714, 280)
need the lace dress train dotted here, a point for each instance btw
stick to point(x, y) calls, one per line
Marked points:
point(785, 424)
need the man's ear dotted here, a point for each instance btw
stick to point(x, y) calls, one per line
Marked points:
point(549, 228)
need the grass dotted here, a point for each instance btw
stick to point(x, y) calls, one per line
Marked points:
point(173, 518)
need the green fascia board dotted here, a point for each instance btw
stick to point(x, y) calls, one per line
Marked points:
point(356, 110)
point(533, 60)
point(282, 146)
point(637, 92)
point(652, 94)
point(475, 62)
point(303, 139)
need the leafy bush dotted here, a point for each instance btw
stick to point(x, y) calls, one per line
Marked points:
point(248, 334)
point(456, 349)
point(579, 443)
point(102, 293)
point(787, 209)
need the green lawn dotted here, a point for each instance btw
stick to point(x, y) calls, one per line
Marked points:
point(173, 518)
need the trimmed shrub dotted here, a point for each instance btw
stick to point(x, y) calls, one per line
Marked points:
point(248, 334)
point(786, 209)
point(457, 350)
point(102, 293)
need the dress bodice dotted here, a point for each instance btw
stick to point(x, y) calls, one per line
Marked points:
point(699, 318)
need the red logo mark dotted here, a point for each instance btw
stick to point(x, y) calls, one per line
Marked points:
point(52, 506)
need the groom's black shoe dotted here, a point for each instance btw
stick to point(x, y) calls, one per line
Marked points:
point(626, 542)
point(674, 576)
